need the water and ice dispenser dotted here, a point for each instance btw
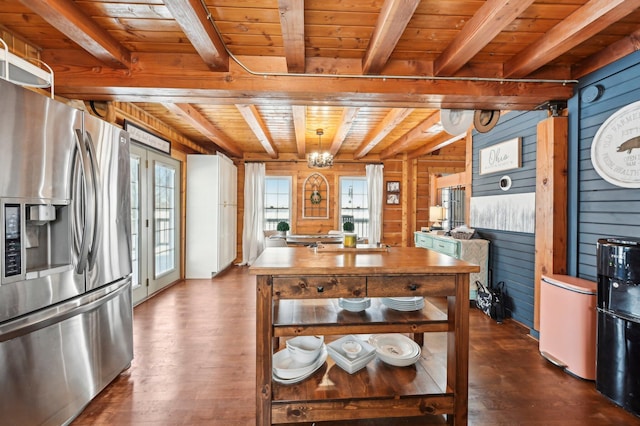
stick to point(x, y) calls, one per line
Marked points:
point(618, 335)
point(36, 239)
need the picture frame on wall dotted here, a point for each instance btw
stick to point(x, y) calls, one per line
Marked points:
point(393, 186)
point(393, 198)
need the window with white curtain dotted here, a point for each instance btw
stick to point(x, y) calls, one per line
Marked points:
point(277, 201)
point(354, 204)
point(454, 206)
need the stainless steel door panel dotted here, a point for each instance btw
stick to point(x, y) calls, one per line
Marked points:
point(37, 143)
point(21, 297)
point(110, 253)
point(54, 362)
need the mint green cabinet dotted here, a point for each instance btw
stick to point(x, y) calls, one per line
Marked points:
point(474, 251)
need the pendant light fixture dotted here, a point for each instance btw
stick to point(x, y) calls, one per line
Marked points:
point(319, 159)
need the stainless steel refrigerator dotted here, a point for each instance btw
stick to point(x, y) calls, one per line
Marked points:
point(65, 276)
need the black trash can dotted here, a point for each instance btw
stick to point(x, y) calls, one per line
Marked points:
point(618, 334)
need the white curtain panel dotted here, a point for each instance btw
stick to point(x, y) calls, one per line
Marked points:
point(375, 192)
point(253, 234)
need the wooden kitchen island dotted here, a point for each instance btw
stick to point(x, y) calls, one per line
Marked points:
point(296, 292)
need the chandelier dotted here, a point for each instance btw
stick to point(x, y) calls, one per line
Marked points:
point(319, 159)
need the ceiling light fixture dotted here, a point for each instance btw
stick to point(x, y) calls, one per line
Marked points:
point(319, 159)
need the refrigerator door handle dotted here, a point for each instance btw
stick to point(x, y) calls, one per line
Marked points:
point(86, 199)
point(95, 202)
point(58, 313)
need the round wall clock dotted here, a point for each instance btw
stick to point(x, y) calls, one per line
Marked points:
point(615, 151)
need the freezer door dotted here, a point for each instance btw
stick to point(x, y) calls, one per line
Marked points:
point(54, 361)
point(109, 257)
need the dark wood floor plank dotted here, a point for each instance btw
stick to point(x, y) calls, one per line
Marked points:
point(194, 364)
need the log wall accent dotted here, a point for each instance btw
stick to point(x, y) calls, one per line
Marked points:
point(551, 203)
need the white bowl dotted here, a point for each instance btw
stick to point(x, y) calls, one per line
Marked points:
point(305, 349)
point(396, 349)
point(284, 373)
point(351, 348)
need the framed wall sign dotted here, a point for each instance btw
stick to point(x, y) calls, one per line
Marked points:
point(393, 186)
point(502, 156)
point(144, 137)
point(615, 150)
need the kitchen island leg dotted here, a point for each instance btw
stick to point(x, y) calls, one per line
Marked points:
point(264, 351)
point(458, 350)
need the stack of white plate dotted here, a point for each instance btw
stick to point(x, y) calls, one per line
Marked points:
point(346, 355)
point(404, 303)
point(357, 304)
point(395, 349)
point(287, 370)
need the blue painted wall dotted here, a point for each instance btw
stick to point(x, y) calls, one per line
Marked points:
point(596, 208)
point(511, 257)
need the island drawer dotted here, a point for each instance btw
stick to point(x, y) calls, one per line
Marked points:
point(407, 285)
point(318, 287)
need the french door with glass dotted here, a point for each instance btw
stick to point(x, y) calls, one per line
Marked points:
point(155, 221)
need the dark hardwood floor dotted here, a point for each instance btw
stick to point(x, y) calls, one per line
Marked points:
point(195, 365)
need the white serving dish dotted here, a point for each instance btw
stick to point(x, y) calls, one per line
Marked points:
point(312, 368)
point(354, 304)
point(395, 349)
point(305, 349)
point(339, 356)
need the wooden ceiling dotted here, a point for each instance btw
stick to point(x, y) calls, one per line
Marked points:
point(256, 78)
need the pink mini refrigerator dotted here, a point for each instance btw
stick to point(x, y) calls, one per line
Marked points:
point(568, 324)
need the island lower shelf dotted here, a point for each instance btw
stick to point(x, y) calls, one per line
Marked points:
point(332, 394)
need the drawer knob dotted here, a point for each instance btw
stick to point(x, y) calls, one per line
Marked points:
point(413, 287)
point(320, 289)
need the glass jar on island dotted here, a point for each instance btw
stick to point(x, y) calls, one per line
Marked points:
point(350, 239)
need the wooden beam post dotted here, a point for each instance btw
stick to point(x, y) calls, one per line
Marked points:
point(551, 204)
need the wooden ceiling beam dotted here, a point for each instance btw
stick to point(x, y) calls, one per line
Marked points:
point(610, 54)
point(204, 126)
point(67, 18)
point(299, 113)
point(417, 133)
point(582, 24)
point(185, 79)
point(292, 23)
point(440, 141)
point(384, 127)
point(480, 30)
point(346, 121)
point(392, 21)
point(258, 127)
point(192, 17)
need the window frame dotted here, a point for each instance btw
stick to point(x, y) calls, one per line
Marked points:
point(361, 226)
point(271, 225)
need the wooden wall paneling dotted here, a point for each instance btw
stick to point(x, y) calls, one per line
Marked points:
point(551, 204)
point(393, 213)
point(406, 202)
